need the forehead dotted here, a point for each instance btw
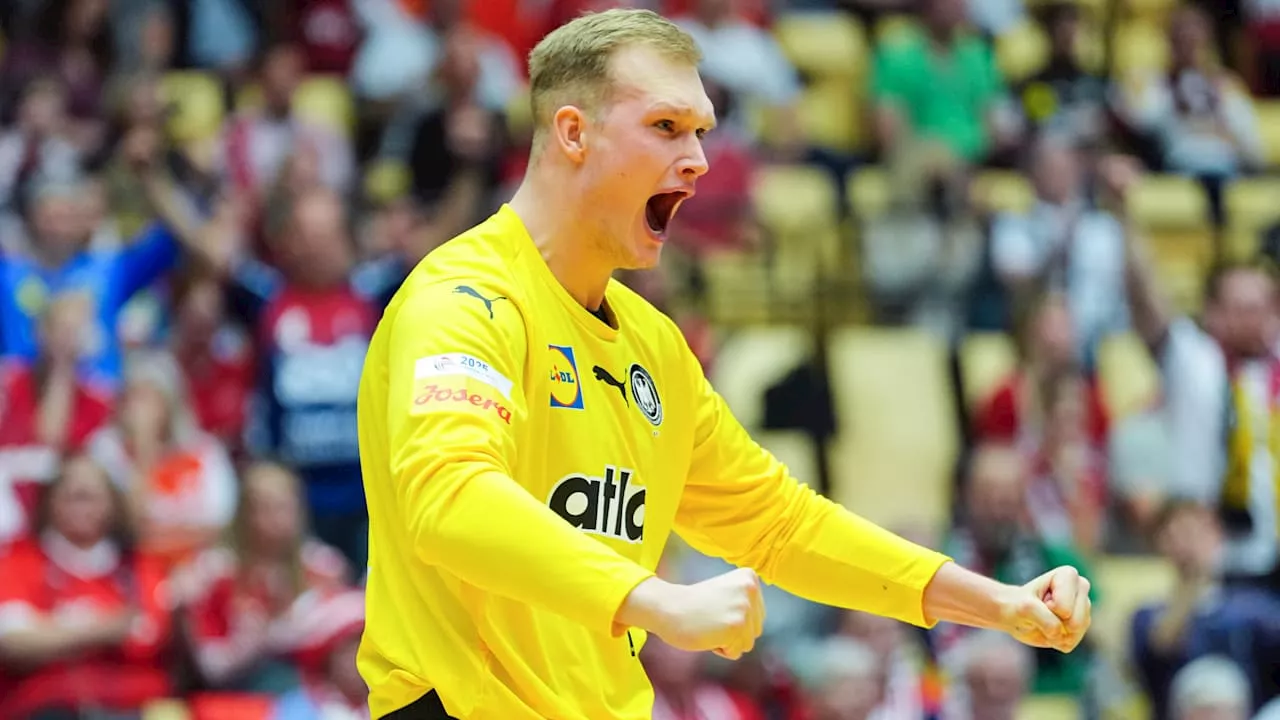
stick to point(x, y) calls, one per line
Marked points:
point(644, 78)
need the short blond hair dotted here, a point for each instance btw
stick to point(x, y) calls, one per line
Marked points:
point(571, 64)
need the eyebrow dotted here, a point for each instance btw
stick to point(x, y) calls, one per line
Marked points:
point(682, 110)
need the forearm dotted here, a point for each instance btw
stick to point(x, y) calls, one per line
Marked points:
point(1150, 316)
point(478, 524)
point(837, 558)
point(47, 643)
point(963, 597)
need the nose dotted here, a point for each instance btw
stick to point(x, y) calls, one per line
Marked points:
point(693, 164)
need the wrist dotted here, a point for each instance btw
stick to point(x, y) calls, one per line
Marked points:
point(647, 606)
point(964, 597)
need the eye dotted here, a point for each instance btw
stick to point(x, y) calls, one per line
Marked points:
point(701, 133)
point(665, 125)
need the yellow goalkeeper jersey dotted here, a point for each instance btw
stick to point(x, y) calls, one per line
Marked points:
point(525, 463)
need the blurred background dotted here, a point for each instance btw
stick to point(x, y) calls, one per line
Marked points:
point(996, 274)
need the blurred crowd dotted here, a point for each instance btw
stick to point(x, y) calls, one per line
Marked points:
point(205, 204)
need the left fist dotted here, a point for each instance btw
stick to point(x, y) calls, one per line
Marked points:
point(1052, 611)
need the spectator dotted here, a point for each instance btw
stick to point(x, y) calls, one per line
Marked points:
point(258, 141)
point(145, 36)
point(313, 320)
point(178, 479)
point(960, 103)
point(36, 148)
point(746, 62)
point(1262, 36)
point(47, 410)
point(1220, 381)
point(847, 682)
point(1064, 245)
point(328, 32)
point(1201, 617)
point(1198, 113)
point(216, 356)
point(334, 690)
point(681, 693)
point(1210, 689)
point(911, 686)
point(253, 605)
point(1064, 98)
point(995, 536)
point(84, 620)
point(58, 259)
point(72, 42)
point(993, 674)
point(222, 35)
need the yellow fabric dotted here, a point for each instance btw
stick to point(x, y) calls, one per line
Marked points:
point(1240, 449)
point(486, 437)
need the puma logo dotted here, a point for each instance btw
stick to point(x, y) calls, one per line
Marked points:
point(603, 376)
point(488, 302)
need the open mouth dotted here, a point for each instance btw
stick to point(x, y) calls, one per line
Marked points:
point(660, 209)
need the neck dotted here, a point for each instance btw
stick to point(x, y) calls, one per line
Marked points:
point(553, 221)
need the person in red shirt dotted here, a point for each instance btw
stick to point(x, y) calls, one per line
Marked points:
point(216, 356)
point(84, 620)
point(253, 605)
point(681, 692)
point(46, 409)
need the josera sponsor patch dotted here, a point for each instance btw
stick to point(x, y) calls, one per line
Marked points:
point(458, 393)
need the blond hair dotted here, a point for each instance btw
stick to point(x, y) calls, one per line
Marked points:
point(571, 64)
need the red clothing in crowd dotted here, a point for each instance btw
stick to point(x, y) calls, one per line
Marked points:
point(25, 463)
point(329, 33)
point(220, 380)
point(51, 580)
point(219, 601)
point(999, 418)
point(708, 701)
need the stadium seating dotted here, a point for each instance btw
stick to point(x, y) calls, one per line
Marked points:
point(1252, 207)
point(1138, 47)
point(832, 115)
point(197, 102)
point(750, 360)
point(795, 449)
point(1130, 380)
point(1000, 191)
point(1268, 112)
point(326, 101)
point(823, 45)
point(894, 452)
point(1049, 707)
point(985, 360)
point(386, 180)
point(1125, 584)
point(798, 207)
point(1021, 51)
point(1173, 213)
point(166, 710)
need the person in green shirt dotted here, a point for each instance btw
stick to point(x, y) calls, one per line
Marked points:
point(938, 82)
point(994, 537)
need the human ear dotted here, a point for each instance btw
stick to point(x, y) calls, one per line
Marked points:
point(569, 127)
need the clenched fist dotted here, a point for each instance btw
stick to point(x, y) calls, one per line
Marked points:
point(1052, 611)
point(724, 614)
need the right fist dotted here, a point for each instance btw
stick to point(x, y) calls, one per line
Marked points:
point(724, 614)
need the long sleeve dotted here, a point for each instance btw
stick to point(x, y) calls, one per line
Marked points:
point(741, 504)
point(455, 359)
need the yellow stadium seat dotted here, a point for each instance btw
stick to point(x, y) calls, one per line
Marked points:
point(1252, 205)
point(1049, 707)
point(1021, 51)
point(869, 194)
point(1268, 112)
point(1124, 585)
point(1003, 191)
point(1155, 11)
point(1097, 9)
point(795, 449)
point(823, 44)
point(893, 458)
point(520, 114)
point(198, 105)
point(738, 288)
point(892, 26)
point(386, 180)
point(752, 359)
point(832, 115)
point(797, 204)
point(1169, 202)
point(166, 710)
point(326, 101)
point(1139, 47)
point(986, 359)
point(1129, 379)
